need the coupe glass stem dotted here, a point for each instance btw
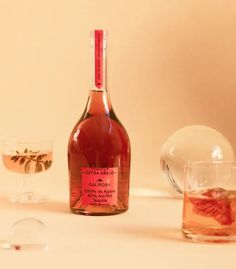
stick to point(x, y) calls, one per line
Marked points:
point(27, 187)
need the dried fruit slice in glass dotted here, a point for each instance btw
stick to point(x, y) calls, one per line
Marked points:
point(214, 203)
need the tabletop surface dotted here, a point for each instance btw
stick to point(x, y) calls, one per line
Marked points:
point(147, 235)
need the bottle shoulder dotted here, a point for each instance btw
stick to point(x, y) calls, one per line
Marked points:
point(102, 123)
point(100, 128)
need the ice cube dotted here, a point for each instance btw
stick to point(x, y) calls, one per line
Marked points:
point(216, 193)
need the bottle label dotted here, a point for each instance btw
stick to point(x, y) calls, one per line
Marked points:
point(99, 58)
point(99, 186)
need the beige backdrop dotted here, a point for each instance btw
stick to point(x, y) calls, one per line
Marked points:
point(172, 64)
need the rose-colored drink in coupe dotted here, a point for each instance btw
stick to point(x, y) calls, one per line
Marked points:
point(27, 161)
point(99, 148)
point(210, 212)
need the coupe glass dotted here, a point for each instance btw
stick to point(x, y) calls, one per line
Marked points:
point(27, 158)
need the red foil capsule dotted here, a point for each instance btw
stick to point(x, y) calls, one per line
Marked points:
point(98, 58)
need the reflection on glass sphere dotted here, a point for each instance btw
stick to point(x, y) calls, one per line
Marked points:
point(192, 143)
point(28, 234)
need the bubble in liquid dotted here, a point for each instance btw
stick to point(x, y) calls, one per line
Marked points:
point(28, 234)
point(192, 143)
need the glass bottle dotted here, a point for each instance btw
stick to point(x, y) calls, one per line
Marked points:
point(99, 147)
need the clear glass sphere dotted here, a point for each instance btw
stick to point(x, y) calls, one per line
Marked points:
point(28, 234)
point(192, 143)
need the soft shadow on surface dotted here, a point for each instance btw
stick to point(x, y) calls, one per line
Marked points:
point(161, 233)
point(154, 233)
point(47, 206)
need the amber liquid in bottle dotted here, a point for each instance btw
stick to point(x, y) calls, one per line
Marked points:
point(99, 148)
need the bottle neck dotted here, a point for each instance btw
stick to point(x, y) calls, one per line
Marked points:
point(98, 101)
point(99, 61)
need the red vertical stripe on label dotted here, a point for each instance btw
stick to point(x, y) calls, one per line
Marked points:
point(99, 58)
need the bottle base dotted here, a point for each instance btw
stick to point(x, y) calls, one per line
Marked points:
point(98, 212)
